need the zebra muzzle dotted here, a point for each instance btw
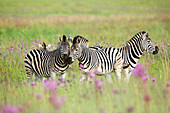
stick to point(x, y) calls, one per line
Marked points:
point(69, 60)
point(156, 50)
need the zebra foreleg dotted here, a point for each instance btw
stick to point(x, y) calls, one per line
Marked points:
point(53, 74)
point(63, 76)
point(109, 78)
point(29, 78)
point(126, 75)
point(118, 74)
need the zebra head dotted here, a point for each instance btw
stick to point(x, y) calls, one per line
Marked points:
point(76, 48)
point(64, 48)
point(44, 46)
point(148, 45)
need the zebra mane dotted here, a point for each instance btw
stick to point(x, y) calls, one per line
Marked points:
point(137, 36)
point(64, 38)
point(80, 40)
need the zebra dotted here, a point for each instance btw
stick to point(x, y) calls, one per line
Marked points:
point(44, 46)
point(44, 63)
point(108, 59)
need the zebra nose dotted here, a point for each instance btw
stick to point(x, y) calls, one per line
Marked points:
point(65, 56)
point(156, 50)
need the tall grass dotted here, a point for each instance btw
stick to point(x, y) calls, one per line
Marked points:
point(106, 23)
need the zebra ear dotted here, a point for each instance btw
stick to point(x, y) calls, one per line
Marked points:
point(59, 38)
point(145, 35)
point(49, 46)
point(70, 39)
point(78, 41)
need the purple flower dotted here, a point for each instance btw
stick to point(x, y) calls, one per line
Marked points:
point(10, 109)
point(153, 63)
point(98, 84)
point(38, 95)
point(139, 70)
point(45, 80)
point(169, 108)
point(36, 41)
point(130, 109)
point(143, 54)
point(115, 91)
point(39, 112)
point(20, 108)
point(81, 65)
point(24, 82)
point(81, 75)
point(93, 75)
point(153, 79)
point(56, 101)
point(147, 98)
point(168, 84)
point(60, 79)
point(26, 51)
point(145, 78)
point(51, 85)
point(33, 83)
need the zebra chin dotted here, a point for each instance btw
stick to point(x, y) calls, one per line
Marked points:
point(156, 50)
point(69, 60)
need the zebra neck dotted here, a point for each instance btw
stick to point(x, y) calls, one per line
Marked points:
point(132, 53)
point(84, 58)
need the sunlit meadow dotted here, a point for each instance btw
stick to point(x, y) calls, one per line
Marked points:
point(26, 23)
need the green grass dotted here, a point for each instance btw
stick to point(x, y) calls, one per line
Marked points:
point(118, 21)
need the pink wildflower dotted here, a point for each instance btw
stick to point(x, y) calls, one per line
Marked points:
point(169, 108)
point(57, 102)
point(33, 83)
point(24, 82)
point(39, 112)
point(145, 78)
point(98, 84)
point(81, 65)
point(36, 41)
point(50, 85)
point(130, 109)
point(10, 109)
point(143, 54)
point(139, 70)
point(147, 98)
point(153, 79)
point(115, 91)
point(38, 95)
point(168, 84)
point(20, 108)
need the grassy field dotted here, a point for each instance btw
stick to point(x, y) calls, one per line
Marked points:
point(106, 23)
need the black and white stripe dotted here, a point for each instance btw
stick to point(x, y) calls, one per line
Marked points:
point(108, 59)
point(45, 63)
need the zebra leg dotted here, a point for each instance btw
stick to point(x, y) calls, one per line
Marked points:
point(53, 74)
point(63, 76)
point(118, 74)
point(126, 74)
point(29, 78)
point(36, 77)
point(108, 78)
